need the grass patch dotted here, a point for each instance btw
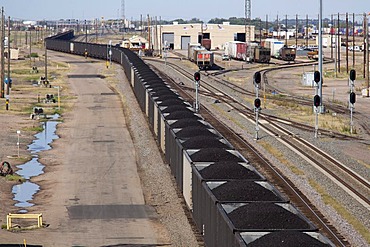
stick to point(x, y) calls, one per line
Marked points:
point(15, 178)
point(341, 210)
point(277, 154)
point(33, 129)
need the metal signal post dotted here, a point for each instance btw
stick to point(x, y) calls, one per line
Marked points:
point(257, 101)
point(317, 100)
point(352, 95)
point(197, 85)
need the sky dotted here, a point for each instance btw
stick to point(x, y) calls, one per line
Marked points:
point(170, 10)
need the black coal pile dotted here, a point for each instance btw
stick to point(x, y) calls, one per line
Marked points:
point(175, 101)
point(242, 190)
point(214, 154)
point(193, 131)
point(186, 122)
point(227, 170)
point(181, 114)
point(269, 216)
point(287, 239)
point(162, 92)
point(174, 108)
point(165, 96)
point(204, 142)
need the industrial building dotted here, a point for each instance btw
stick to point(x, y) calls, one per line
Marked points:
point(178, 36)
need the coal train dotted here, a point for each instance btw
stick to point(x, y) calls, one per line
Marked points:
point(231, 203)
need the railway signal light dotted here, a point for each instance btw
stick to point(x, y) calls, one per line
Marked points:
point(316, 100)
point(317, 76)
point(257, 77)
point(352, 98)
point(352, 75)
point(257, 103)
point(197, 76)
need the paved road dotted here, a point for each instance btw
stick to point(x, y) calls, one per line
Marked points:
point(96, 198)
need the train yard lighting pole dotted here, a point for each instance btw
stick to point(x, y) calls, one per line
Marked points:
point(8, 80)
point(257, 101)
point(2, 52)
point(197, 85)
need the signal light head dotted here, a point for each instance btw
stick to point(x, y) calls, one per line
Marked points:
point(352, 75)
point(197, 76)
point(257, 103)
point(316, 100)
point(257, 77)
point(317, 76)
point(352, 98)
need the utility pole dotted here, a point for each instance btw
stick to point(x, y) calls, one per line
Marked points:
point(267, 26)
point(278, 27)
point(306, 30)
point(160, 36)
point(46, 63)
point(141, 24)
point(8, 76)
point(353, 41)
point(85, 31)
point(123, 14)
point(339, 43)
point(331, 37)
point(367, 55)
point(2, 52)
point(296, 32)
point(286, 30)
point(248, 17)
point(347, 37)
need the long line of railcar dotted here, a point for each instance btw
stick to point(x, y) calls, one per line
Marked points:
point(231, 203)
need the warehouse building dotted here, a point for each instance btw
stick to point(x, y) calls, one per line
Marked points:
point(178, 36)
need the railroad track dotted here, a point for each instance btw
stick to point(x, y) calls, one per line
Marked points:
point(243, 92)
point(299, 145)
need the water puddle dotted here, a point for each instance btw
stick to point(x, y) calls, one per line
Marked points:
point(23, 193)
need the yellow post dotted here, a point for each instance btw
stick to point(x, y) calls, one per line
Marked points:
point(24, 242)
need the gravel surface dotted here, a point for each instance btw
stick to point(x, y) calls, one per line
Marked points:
point(158, 184)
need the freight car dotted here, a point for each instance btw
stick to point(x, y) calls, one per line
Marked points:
point(199, 55)
point(274, 45)
point(236, 50)
point(261, 54)
point(287, 53)
point(231, 203)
